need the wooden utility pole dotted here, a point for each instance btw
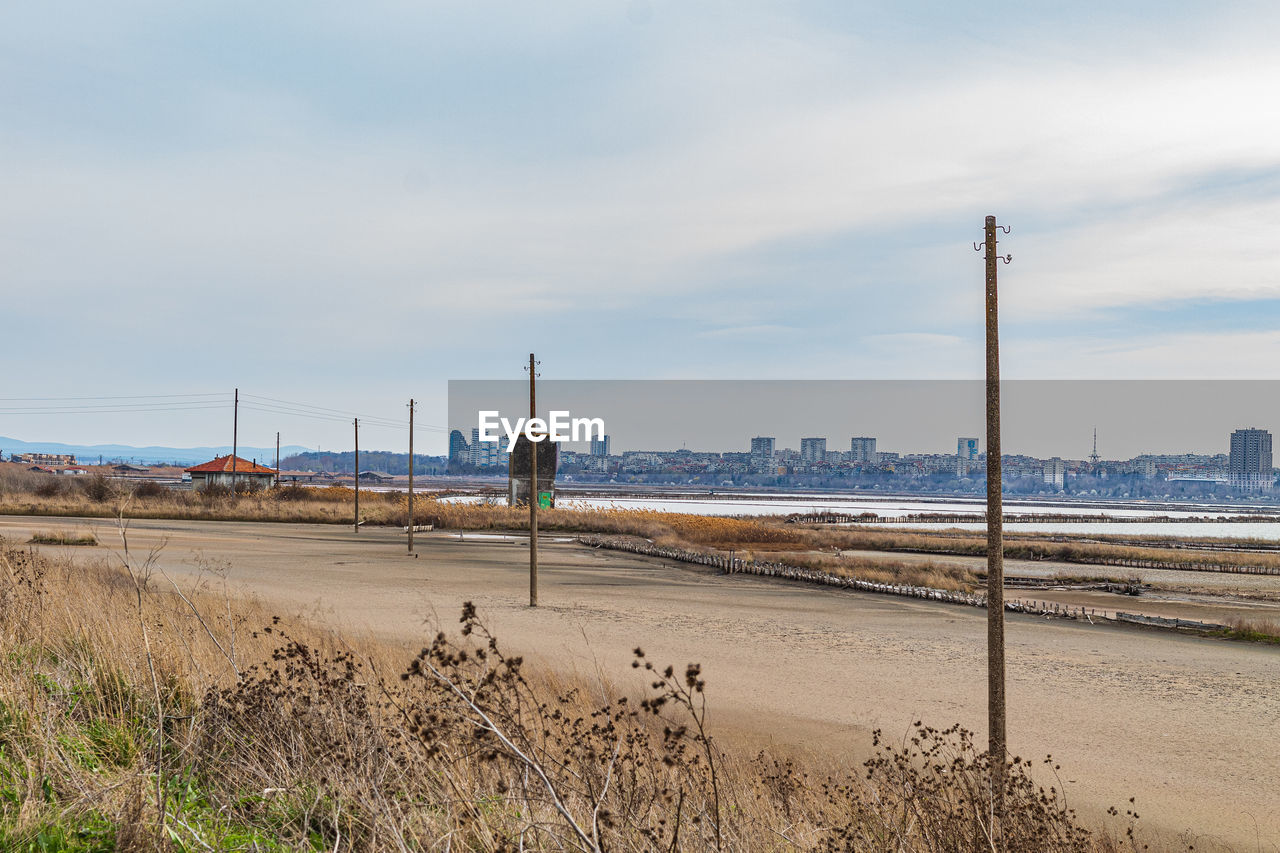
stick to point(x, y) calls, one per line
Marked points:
point(533, 487)
point(356, 422)
point(995, 543)
point(410, 475)
point(235, 440)
point(277, 460)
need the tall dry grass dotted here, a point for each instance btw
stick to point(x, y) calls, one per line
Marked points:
point(100, 497)
point(1032, 547)
point(673, 528)
point(137, 713)
point(28, 493)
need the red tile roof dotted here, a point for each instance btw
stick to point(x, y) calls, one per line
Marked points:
point(223, 465)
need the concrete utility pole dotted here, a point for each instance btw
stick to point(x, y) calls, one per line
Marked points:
point(995, 542)
point(277, 460)
point(533, 488)
point(356, 422)
point(235, 439)
point(410, 475)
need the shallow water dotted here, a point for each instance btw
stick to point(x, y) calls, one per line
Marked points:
point(1218, 530)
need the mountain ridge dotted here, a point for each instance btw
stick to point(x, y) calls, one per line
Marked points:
point(85, 453)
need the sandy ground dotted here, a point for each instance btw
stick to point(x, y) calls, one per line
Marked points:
point(1191, 727)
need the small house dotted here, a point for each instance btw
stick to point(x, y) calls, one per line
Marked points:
point(218, 472)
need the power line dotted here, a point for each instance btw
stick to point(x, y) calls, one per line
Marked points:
point(306, 413)
point(304, 405)
point(320, 416)
point(127, 397)
point(343, 412)
point(100, 410)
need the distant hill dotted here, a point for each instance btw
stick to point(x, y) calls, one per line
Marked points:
point(150, 455)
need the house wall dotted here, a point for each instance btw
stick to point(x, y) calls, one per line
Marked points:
point(201, 480)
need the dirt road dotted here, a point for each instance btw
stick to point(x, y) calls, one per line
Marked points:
point(1191, 727)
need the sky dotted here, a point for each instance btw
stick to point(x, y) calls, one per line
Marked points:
point(343, 206)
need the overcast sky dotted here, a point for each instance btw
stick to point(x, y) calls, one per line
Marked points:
point(346, 205)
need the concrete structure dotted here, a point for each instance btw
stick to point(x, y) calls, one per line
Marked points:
point(813, 450)
point(1249, 467)
point(217, 472)
point(457, 446)
point(519, 469)
point(600, 446)
point(1055, 472)
point(487, 454)
point(762, 456)
point(43, 458)
point(862, 449)
point(967, 449)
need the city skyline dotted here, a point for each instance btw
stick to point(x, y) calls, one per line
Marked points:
point(470, 451)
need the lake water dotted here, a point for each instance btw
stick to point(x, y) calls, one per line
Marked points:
point(1218, 530)
point(748, 504)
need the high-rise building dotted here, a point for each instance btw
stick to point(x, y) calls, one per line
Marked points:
point(457, 445)
point(486, 454)
point(1055, 472)
point(967, 449)
point(1249, 466)
point(762, 460)
point(862, 449)
point(600, 446)
point(813, 450)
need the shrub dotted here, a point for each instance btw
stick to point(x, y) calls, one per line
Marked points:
point(248, 487)
point(98, 488)
point(292, 492)
point(214, 492)
point(150, 489)
point(50, 487)
point(59, 537)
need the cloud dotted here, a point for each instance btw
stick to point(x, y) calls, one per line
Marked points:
point(729, 188)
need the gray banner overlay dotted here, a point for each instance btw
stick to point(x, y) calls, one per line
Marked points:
point(1040, 418)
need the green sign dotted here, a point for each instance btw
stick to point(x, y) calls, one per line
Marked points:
point(544, 500)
